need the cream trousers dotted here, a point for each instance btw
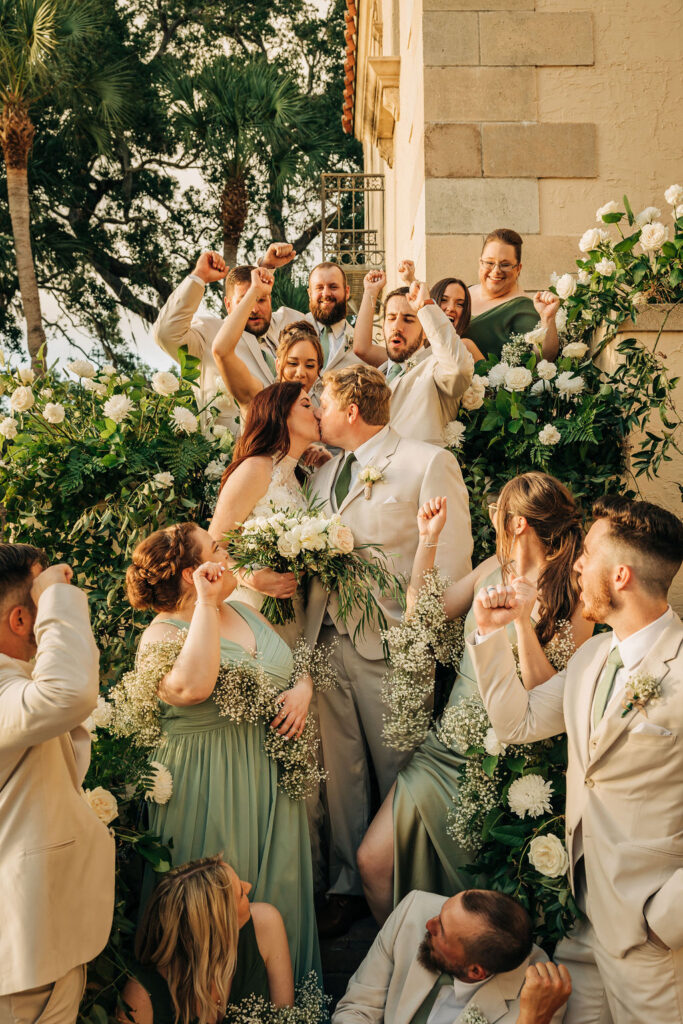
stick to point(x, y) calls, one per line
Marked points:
point(56, 1003)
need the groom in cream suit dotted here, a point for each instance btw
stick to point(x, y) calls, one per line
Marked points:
point(438, 960)
point(57, 876)
point(354, 415)
point(620, 700)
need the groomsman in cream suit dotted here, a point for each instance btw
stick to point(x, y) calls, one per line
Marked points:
point(428, 369)
point(436, 960)
point(180, 322)
point(354, 414)
point(57, 877)
point(620, 701)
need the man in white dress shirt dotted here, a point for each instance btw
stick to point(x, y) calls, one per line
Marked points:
point(620, 700)
point(476, 957)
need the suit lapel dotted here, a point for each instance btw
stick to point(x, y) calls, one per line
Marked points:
point(582, 706)
point(379, 462)
point(323, 481)
point(417, 985)
point(256, 353)
point(341, 351)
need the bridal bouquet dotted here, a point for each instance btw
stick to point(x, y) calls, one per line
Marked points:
point(308, 543)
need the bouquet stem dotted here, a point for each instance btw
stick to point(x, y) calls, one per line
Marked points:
point(278, 610)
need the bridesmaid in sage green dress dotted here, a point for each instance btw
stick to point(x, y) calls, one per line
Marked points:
point(539, 537)
point(225, 798)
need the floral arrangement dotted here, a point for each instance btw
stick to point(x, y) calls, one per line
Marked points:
point(310, 1007)
point(473, 1015)
point(308, 543)
point(243, 693)
point(640, 688)
point(421, 639)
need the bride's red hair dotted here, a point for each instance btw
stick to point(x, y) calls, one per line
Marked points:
point(265, 428)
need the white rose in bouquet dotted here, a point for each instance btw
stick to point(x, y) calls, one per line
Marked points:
point(546, 370)
point(674, 195)
point(610, 207)
point(453, 434)
point(289, 544)
point(530, 795)
point(568, 385)
point(103, 803)
point(566, 286)
point(653, 236)
point(165, 383)
point(474, 396)
point(312, 535)
point(548, 855)
point(518, 378)
point(184, 421)
point(22, 399)
point(54, 412)
point(340, 537)
point(647, 215)
point(592, 238)
point(118, 408)
point(26, 374)
point(8, 428)
point(549, 435)
point(497, 374)
point(583, 277)
point(160, 785)
point(492, 744)
point(605, 267)
point(82, 368)
point(575, 350)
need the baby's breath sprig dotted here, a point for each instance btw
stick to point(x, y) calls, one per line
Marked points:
point(311, 1006)
point(315, 662)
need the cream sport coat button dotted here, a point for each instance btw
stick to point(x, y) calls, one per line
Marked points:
point(570, 830)
point(590, 783)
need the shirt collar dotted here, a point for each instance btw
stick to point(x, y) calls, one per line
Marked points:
point(365, 452)
point(334, 329)
point(634, 648)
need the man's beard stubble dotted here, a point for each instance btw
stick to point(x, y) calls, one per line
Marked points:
point(260, 330)
point(428, 959)
point(598, 606)
point(328, 316)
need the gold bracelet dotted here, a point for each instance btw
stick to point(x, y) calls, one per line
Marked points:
point(205, 604)
point(426, 545)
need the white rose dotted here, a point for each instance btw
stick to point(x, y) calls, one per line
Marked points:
point(222, 402)
point(554, 278)
point(289, 545)
point(546, 370)
point(574, 350)
point(123, 378)
point(54, 412)
point(98, 387)
point(583, 277)
point(605, 267)
point(536, 337)
point(610, 207)
point(160, 785)
point(492, 744)
point(8, 428)
point(103, 803)
point(567, 384)
point(566, 286)
point(518, 378)
point(497, 374)
point(674, 195)
point(26, 374)
point(549, 434)
point(678, 212)
point(561, 319)
point(638, 300)
point(82, 368)
point(118, 407)
point(102, 713)
point(548, 855)
point(653, 236)
point(108, 370)
point(219, 430)
point(165, 383)
point(214, 470)
point(647, 215)
point(22, 399)
point(340, 538)
point(592, 238)
point(474, 396)
point(183, 420)
point(540, 386)
point(163, 479)
point(46, 393)
point(312, 535)
point(453, 434)
point(530, 795)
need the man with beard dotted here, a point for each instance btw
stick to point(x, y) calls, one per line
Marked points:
point(620, 701)
point(428, 369)
point(476, 956)
point(179, 322)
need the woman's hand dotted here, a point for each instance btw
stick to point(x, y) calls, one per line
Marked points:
point(316, 455)
point(546, 305)
point(208, 584)
point(526, 597)
point(431, 520)
point(271, 583)
point(294, 703)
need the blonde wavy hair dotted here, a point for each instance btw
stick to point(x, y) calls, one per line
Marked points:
point(363, 386)
point(189, 934)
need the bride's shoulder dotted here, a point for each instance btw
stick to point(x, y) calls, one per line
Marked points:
point(255, 469)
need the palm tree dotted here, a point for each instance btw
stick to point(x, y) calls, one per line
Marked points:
point(43, 61)
point(236, 117)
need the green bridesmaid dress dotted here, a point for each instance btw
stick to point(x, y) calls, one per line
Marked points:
point(425, 855)
point(491, 329)
point(226, 799)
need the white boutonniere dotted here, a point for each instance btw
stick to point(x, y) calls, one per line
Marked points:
point(640, 688)
point(369, 476)
point(410, 364)
point(473, 1016)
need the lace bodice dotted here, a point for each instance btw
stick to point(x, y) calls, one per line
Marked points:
point(284, 490)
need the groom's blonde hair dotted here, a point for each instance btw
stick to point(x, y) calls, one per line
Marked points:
point(364, 387)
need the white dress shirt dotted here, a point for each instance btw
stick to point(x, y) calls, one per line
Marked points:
point(336, 334)
point(452, 1000)
point(364, 456)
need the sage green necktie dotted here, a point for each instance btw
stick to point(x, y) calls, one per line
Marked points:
point(422, 1014)
point(394, 370)
point(325, 344)
point(341, 488)
point(603, 690)
point(269, 358)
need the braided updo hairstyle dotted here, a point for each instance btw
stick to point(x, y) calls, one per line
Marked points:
point(154, 577)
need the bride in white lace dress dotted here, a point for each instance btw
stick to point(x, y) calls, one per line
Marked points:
point(279, 427)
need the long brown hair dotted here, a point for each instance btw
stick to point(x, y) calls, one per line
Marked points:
point(551, 511)
point(265, 428)
point(189, 933)
point(437, 293)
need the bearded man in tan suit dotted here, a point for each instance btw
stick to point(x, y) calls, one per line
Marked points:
point(354, 416)
point(620, 700)
point(57, 877)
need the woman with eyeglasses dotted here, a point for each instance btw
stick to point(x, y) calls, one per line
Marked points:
point(499, 306)
point(538, 539)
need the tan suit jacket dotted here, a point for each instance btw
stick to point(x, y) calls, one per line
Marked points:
point(57, 876)
point(425, 398)
point(412, 473)
point(624, 788)
point(391, 984)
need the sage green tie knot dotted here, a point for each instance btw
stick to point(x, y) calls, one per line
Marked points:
point(394, 370)
point(325, 345)
point(603, 691)
point(341, 488)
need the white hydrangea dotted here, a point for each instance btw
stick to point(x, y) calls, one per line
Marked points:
point(653, 236)
point(518, 378)
point(605, 267)
point(214, 470)
point(22, 399)
point(647, 215)
point(183, 420)
point(568, 385)
point(26, 374)
point(530, 795)
point(549, 435)
point(492, 744)
point(98, 387)
point(165, 383)
point(548, 855)
point(118, 407)
point(453, 434)
point(160, 784)
point(82, 368)
point(102, 713)
point(102, 802)
point(8, 428)
point(575, 350)
point(497, 374)
point(561, 319)
point(674, 195)
point(163, 479)
point(54, 412)
point(610, 207)
point(583, 277)
point(474, 396)
point(546, 370)
point(592, 238)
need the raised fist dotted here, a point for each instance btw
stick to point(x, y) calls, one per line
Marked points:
point(279, 255)
point(418, 294)
point(61, 573)
point(262, 281)
point(374, 281)
point(546, 305)
point(211, 267)
point(406, 271)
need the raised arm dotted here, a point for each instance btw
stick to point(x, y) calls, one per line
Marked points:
point(453, 364)
point(547, 305)
point(177, 324)
point(533, 663)
point(363, 346)
point(240, 382)
point(443, 477)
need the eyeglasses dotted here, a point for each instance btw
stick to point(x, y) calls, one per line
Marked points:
point(504, 267)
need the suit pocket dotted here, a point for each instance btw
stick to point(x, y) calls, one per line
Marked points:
point(50, 847)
